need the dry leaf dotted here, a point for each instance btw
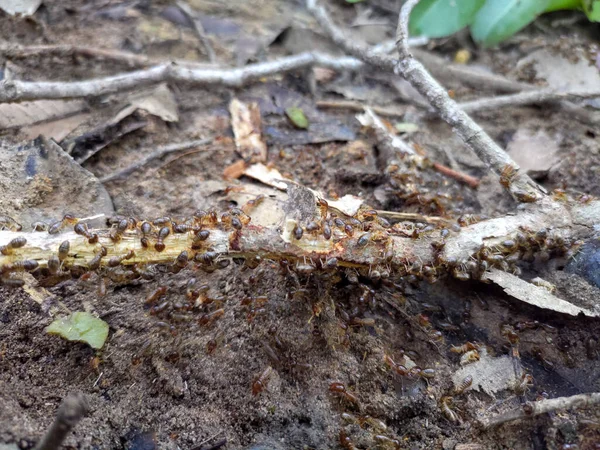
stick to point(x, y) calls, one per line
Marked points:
point(29, 113)
point(348, 204)
point(235, 170)
point(246, 123)
point(534, 295)
point(159, 102)
point(490, 375)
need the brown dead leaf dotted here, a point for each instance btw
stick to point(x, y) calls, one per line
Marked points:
point(246, 123)
point(235, 170)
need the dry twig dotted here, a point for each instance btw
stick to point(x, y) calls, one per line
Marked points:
point(17, 90)
point(532, 409)
point(521, 186)
point(524, 98)
point(154, 155)
point(72, 409)
point(198, 29)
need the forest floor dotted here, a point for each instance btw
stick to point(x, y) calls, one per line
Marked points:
point(188, 386)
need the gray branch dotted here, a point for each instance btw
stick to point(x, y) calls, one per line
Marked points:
point(72, 409)
point(532, 409)
point(18, 91)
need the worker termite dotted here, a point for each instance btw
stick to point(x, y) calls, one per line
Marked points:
point(327, 230)
point(63, 250)
point(297, 232)
point(159, 246)
point(323, 207)
point(39, 226)
point(363, 240)
point(260, 383)
point(181, 261)
point(386, 442)
point(507, 175)
point(447, 411)
point(200, 236)
point(463, 385)
point(26, 265)
point(345, 441)
point(116, 233)
point(253, 203)
point(53, 264)
point(208, 318)
point(339, 388)
point(95, 261)
point(155, 295)
point(56, 227)
point(460, 349)
point(469, 357)
point(116, 260)
point(523, 385)
point(82, 230)
point(17, 242)
point(146, 229)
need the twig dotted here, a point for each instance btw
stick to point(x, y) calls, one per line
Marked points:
point(17, 91)
point(358, 106)
point(457, 175)
point(395, 215)
point(570, 220)
point(531, 409)
point(72, 409)
point(198, 29)
point(446, 70)
point(521, 186)
point(156, 154)
point(524, 98)
point(397, 145)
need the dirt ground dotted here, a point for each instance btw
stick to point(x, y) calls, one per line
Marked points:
point(163, 384)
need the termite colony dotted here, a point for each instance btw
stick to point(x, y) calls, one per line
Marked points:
point(359, 255)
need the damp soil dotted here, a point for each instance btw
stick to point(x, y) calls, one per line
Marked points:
point(166, 384)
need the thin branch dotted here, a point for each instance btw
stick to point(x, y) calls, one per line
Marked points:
point(531, 409)
point(154, 155)
point(446, 70)
point(72, 409)
point(395, 248)
point(358, 106)
point(521, 186)
point(524, 98)
point(17, 91)
point(469, 180)
point(198, 29)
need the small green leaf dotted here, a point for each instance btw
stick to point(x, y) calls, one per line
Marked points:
point(354, 1)
point(81, 327)
point(297, 117)
point(592, 9)
point(406, 127)
point(439, 18)
point(497, 20)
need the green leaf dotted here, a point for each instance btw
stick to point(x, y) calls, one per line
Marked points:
point(560, 5)
point(592, 9)
point(497, 20)
point(439, 18)
point(81, 327)
point(354, 1)
point(297, 117)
